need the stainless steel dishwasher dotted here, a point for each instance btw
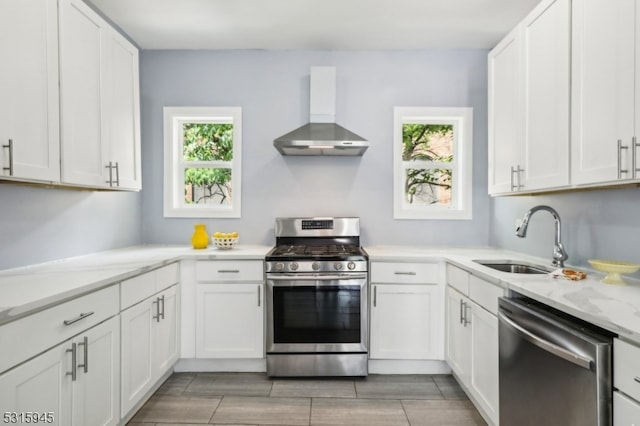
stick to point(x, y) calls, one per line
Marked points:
point(555, 370)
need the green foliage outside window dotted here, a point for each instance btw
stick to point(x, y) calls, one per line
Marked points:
point(207, 142)
point(433, 143)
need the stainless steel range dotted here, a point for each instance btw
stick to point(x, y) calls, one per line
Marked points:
point(317, 277)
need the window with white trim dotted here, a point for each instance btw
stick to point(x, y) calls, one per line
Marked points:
point(202, 170)
point(432, 154)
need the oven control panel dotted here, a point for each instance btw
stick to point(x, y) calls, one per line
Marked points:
point(316, 266)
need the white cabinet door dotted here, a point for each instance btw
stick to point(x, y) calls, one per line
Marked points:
point(82, 44)
point(484, 359)
point(41, 385)
point(73, 394)
point(136, 348)
point(123, 111)
point(29, 110)
point(230, 321)
point(505, 115)
point(405, 322)
point(458, 341)
point(166, 332)
point(96, 392)
point(603, 54)
point(546, 41)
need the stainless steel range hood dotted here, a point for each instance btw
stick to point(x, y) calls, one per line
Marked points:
point(322, 136)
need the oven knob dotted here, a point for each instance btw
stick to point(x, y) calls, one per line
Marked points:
point(351, 266)
point(337, 266)
point(279, 266)
point(293, 266)
point(315, 266)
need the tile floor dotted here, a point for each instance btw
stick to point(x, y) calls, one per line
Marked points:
point(190, 399)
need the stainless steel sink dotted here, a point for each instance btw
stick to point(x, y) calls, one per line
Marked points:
point(514, 267)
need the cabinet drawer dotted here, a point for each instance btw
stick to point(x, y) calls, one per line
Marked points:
point(458, 279)
point(229, 270)
point(626, 412)
point(485, 294)
point(404, 273)
point(138, 288)
point(29, 336)
point(626, 371)
point(167, 276)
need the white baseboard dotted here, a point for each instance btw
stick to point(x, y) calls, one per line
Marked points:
point(394, 366)
point(221, 365)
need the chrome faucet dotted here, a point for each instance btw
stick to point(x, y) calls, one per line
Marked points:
point(559, 255)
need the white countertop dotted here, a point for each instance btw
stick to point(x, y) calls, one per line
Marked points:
point(613, 307)
point(31, 288)
point(28, 289)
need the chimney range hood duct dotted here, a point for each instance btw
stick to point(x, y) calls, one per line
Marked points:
point(322, 136)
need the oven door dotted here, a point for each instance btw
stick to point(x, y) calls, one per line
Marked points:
point(311, 313)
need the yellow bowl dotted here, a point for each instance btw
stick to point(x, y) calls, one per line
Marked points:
point(614, 268)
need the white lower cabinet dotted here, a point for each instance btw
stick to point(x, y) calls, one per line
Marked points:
point(406, 312)
point(229, 310)
point(230, 320)
point(626, 381)
point(149, 344)
point(404, 322)
point(76, 381)
point(472, 338)
point(458, 341)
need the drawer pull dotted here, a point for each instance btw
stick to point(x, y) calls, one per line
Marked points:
point(73, 373)
point(228, 271)
point(85, 347)
point(636, 379)
point(404, 273)
point(78, 318)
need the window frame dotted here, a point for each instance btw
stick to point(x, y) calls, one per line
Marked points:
point(461, 167)
point(174, 166)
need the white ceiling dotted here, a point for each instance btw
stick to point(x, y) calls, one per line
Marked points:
point(315, 24)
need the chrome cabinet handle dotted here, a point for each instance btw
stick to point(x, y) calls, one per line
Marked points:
point(636, 379)
point(78, 318)
point(467, 321)
point(461, 311)
point(550, 347)
point(515, 183)
point(85, 347)
point(161, 314)
point(375, 296)
point(157, 315)
point(228, 271)
point(259, 302)
point(634, 152)
point(72, 373)
point(620, 169)
point(117, 166)
point(10, 147)
point(110, 167)
point(405, 273)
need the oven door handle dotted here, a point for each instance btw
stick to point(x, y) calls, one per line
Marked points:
point(315, 277)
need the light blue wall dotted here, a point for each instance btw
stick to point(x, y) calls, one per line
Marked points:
point(595, 224)
point(272, 89)
point(43, 224)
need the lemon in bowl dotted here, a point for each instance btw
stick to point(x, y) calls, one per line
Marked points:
point(224, 240)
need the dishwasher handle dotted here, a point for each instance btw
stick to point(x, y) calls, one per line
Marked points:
point(543, 344)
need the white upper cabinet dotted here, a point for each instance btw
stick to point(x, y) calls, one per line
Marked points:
point(123, 111)
point(99, 84)
point(529, 93)
point(505, 115)
point(29, 118)
point(603, 105)
point(546, 38)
